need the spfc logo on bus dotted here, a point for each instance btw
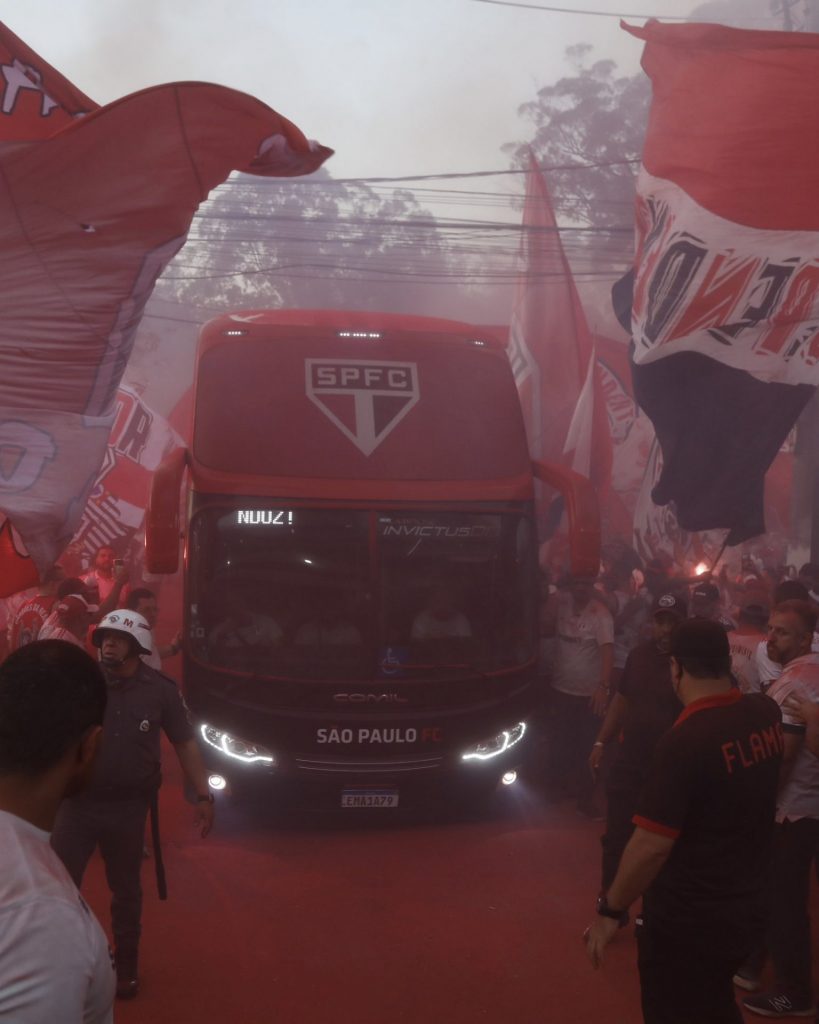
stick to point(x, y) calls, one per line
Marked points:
point(365, 399)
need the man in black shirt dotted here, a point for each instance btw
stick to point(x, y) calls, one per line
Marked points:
point(642, 709)
point(700, 853)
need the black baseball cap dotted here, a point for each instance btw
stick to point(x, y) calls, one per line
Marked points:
point(671, 604)
point(704, 641)
point(705, 592)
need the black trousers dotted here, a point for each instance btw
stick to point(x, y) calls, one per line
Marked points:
point(621, 802)
point(118, 828)
point(795, 846)
point(684, 982)
point(573, 727)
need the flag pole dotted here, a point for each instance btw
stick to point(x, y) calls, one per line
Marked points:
point(721, 551)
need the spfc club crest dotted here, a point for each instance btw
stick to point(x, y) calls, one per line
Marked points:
point(365, 398)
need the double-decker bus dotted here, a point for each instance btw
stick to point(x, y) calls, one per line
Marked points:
point(360, 554)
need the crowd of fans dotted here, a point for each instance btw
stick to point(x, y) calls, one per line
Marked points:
point(606, 658)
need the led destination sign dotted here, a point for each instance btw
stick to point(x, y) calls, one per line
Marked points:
point(264, 517)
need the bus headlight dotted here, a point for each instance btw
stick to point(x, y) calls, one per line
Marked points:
point(232, 746)
point(488, 749)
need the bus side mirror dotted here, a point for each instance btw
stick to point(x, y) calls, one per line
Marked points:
point(583, 511)
point(162, 526)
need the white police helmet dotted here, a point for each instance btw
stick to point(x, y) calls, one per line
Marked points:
point(132, 624)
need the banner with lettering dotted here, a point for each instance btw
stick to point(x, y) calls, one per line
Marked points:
point(138, 442)
point(94, 202)
point(725, 313)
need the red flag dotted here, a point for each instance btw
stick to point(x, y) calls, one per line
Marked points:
point(550, 345)
point(90, 215)
point(37, 100)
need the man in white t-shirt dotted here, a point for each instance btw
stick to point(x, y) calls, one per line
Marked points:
point(790, 634)
point(744, 640)
point(584, 658)
point(55, 964)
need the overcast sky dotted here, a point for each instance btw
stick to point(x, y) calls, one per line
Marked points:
point(396, 87)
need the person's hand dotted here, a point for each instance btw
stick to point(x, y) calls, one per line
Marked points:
point(598, 701)
point(203, 817)
point(804, 710)
point(121, 575)
point(595, 757)
point(597, 936)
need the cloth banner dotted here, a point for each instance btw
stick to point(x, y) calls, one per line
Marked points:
point(94, 202)
point(550, 345)
point(725, 309)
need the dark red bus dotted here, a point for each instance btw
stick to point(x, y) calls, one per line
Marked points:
point(360, 554)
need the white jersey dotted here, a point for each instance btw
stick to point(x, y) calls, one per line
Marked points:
point(744, 663)
point(580, 637)
point(799, 796)
point(55, 964)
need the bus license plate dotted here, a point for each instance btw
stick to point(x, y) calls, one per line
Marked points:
point(369, 798)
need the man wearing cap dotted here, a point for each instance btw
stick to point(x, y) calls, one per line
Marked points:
point(72, 619)
point(111, 812)
point(583, 662)
point(706, 603)
point(702, 843)
point(643, 708)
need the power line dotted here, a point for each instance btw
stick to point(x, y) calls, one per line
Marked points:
point(574, 10)
point(277, 183)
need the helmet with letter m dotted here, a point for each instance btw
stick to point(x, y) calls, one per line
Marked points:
point(131, 624)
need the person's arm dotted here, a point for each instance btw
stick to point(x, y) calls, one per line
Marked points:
point(806, 711)
point(643, 858)
point(608, 730)
point(169, 650)
point(793, 744)
point(600, 697)
point(548, 616)
point(113, 601)
point(193, 766)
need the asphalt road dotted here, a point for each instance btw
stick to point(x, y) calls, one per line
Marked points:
point(376, 918)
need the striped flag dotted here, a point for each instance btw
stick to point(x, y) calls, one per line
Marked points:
point(725, 315)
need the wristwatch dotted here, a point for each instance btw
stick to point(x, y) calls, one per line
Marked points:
point(204, 798)
point(604, 910)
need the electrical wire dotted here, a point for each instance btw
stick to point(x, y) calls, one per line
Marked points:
point(574, 10)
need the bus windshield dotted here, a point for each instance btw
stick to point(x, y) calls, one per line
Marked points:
point(338, 594)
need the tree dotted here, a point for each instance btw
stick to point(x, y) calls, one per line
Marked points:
point(588, 131)
point(318, 242)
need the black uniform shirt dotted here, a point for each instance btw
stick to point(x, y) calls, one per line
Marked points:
point(652, 709)
point(712, 788)
point(138, 707)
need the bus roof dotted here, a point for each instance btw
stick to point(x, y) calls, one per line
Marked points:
point(356, 405)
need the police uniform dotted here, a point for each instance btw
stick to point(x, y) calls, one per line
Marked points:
point(111, 812)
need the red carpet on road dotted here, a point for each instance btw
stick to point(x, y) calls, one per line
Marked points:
point(303, 919)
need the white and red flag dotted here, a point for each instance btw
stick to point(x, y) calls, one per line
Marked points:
point(551, 348)
point(94, 202)
point(725, 314)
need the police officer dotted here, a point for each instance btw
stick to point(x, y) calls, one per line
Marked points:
point(111, 812)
